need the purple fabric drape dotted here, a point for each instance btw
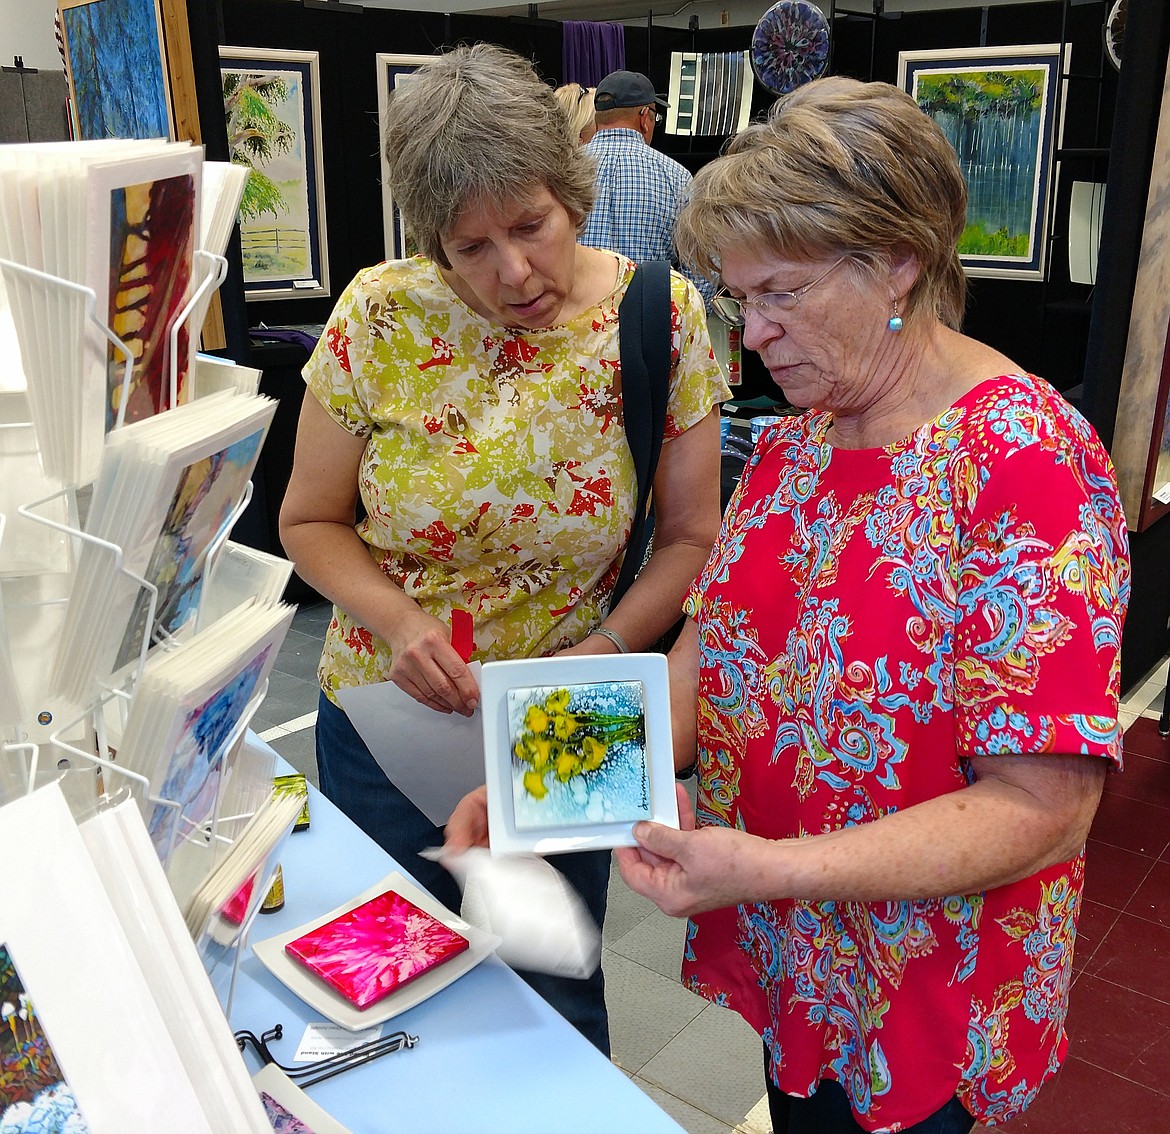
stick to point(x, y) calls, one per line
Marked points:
point(591, 50)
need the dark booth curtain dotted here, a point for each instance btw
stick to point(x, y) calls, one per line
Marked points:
point(591, 51)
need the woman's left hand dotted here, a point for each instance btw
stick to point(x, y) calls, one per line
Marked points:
point(687, 871)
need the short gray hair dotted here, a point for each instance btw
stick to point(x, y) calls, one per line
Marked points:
point(478, 124)
point(839, 167)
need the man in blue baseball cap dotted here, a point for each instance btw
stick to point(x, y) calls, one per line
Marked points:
point(621, 90)
point(639, 189)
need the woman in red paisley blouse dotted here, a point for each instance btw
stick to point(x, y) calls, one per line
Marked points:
point(904, 649)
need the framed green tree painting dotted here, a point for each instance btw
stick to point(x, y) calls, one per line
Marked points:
point(999, 107)
point(272, 105)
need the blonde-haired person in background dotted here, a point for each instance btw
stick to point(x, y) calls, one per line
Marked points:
point(578, 103)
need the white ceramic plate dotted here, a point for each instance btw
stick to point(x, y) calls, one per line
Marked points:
point(332, 1005)
point(661, 805)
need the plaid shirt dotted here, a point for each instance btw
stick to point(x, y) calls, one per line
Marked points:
point(639, 193)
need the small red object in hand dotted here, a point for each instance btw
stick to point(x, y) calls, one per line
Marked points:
point(462, 633)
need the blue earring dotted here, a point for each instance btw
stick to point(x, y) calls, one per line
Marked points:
point(895, 323)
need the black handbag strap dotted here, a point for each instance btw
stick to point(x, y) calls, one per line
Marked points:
point(644, 343)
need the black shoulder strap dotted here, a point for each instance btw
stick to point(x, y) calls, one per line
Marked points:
point(644, 339)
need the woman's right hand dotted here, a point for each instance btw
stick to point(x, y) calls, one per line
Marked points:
point(468, 825)
point(427, 667)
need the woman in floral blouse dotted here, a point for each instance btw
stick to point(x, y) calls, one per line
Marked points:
point(904, 649)
point(470, 397)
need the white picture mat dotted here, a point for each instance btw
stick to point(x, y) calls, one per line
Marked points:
point(142, 467)
point(94, 1004)
point(238, 574)
point(1085, 212)
point(332, 1005)
point(12, 378)
point(499, 677)
point(434, 759)
point(203, 679)
point(138, 889)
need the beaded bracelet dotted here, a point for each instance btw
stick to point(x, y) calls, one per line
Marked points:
point(613, 636)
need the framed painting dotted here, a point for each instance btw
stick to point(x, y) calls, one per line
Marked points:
point(393, 71)
point(1141, 435)
point(117, 69)
point(272, 104)
point(576, 751)
point(998, 107)
point(1156, 490)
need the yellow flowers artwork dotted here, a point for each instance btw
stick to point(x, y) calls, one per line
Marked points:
point(578, 753)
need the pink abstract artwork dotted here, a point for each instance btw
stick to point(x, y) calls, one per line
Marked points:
point(377, 947)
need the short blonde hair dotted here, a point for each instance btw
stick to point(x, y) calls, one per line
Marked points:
point(578, 106)
point(478, 125)
point(838, 167)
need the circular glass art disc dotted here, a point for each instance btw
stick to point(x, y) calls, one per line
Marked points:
point(790, 45)
point(1114, 32)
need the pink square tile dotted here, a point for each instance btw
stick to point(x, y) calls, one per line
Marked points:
point(377, 947)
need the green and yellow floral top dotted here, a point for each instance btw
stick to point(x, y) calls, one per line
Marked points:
point(497, 478)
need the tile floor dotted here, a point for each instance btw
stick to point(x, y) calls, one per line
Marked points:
point(702, 1064)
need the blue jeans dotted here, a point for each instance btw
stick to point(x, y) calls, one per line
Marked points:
point(353, 781)
point(827, 1112)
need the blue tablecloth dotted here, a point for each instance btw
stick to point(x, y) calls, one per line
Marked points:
point(491, 1057)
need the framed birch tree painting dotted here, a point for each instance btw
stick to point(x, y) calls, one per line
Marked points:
point(393, 71)
point(999, 107)
point(272, 104)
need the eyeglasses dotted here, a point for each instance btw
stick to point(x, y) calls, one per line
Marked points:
point(771, 306)
point(657, 116)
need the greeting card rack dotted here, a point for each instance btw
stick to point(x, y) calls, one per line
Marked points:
point(86, 739)
point(104, 716)
point(213, 270)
